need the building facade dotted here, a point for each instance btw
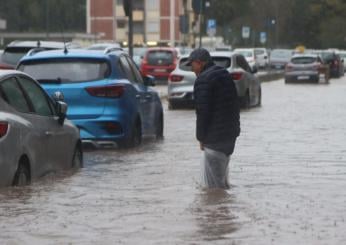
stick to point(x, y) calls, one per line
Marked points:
point(154, 21)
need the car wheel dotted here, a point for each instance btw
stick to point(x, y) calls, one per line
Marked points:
point(259, 98)
point(135, 137)
point(77, 160)
point(171, 106)
point(22, 175)
point(159, 128)
point(246, 100)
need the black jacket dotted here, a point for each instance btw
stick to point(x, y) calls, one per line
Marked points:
point(217, 106)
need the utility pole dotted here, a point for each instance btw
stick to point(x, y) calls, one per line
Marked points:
point(202, 7)
point(128, 11)
point(172, 23)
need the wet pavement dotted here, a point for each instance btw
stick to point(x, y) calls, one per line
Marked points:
point(288, 176)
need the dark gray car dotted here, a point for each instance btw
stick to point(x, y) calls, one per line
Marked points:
point(35, 138)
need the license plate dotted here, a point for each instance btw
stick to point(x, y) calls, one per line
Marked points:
point(160, 70)
point(303, 77)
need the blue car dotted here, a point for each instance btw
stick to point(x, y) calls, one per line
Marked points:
point(109, 101)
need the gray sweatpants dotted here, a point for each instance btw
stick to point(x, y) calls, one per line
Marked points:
point(215, 169)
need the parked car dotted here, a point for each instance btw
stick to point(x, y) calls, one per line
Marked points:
point(279, 58)
point(35, 138)
point(104, 46)
point(15, 50)
point(261, 57)
point(109, 101)
point(182, 79)
point(159, 62)
point(335, 63)
point(306, 67)
point(342, 54)
point(249, 54)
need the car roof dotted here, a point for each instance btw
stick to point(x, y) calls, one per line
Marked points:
point(305, 55)
point(10, 72)
point(33, 44)
point(75, 53)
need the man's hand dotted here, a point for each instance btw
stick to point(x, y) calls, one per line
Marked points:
point(201, 146)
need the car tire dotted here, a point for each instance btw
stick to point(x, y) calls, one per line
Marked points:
point(135, 137)
point(259, 98)
point(22, 175)
point(245, 101)
point(171, 106)
point(159, 128)
point(77, 160)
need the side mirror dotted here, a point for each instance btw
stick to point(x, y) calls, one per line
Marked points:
point(58, 96)
point(149, 80)
point(61, 109)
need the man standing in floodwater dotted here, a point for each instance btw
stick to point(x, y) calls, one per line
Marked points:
point(217, 111)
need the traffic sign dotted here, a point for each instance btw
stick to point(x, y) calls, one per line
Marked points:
point(211, 27)
point(263, 37)
point(246, 32)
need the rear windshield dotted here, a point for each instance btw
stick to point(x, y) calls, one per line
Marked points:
point(304, 60)
point(281, 54)
point(13, 55)
point(160, 57)
point(245, 53)
point(67, 70)
point(219, 61)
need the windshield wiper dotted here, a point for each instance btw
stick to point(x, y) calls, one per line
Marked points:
point(57, 80)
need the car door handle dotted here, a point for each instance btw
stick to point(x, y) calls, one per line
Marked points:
point(138, 96)
point(148, 96)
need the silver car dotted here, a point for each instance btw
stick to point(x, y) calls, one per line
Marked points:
point(181, 80)
point(35, 137)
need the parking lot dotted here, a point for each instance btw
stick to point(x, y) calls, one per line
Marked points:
point(287, 176)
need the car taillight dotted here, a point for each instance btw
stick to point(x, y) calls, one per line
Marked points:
point(176, 78)
point(5, 67)
point(109, 91)
point(236, 75)
point(3, 128)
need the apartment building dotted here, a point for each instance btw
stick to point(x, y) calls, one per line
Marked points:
point(154, 21)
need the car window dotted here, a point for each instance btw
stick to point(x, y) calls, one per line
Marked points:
point(13, 55)
point(259, 52)
point(242, 63)
point(281, 54)
point(13, 95)
point(160, 57)
point(245, 53)
point(37, 97)
point(220, 61)
point(67, 70)
point(135, 71)
point(127, 69)
point(303, 60)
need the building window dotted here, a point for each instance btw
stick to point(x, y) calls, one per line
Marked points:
point(121, 23)
point(153, 4)
point(153, 27)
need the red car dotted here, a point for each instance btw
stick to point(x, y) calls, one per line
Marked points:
point(159, 62)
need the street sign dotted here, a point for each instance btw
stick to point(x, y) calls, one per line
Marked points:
point(263, 37)
point(246, 32)
point(211, 27)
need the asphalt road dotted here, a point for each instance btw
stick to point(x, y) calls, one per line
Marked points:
point(288, 176)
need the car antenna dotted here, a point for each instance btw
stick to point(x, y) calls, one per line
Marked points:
point(63, 38)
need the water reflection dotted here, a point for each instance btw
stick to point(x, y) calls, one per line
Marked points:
point(215, 220)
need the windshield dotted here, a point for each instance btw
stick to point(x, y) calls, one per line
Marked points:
point(66, 70)
point(224, 62)
point(13, 55)
point(246, 54)
point(160, 57)
point(304, 60)
point(281, 54)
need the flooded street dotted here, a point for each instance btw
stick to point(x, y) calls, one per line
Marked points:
point(288, 175)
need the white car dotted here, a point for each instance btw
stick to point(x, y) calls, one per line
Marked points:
point(249, 54)
point(35, 137)
point(182, 79)
point(261, 57)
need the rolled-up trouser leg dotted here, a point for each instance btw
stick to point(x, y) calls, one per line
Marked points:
point(215, 169)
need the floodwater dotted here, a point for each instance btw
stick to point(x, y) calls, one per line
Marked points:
point(288, 176)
